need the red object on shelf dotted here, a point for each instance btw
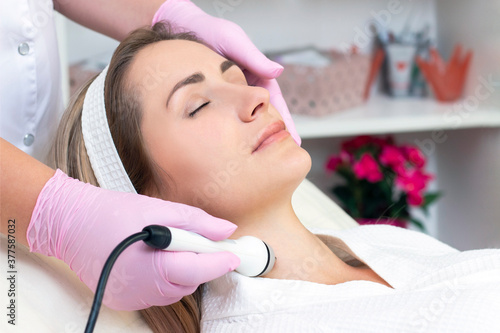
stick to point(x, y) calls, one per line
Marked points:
point(377, 60)
point(446, 79)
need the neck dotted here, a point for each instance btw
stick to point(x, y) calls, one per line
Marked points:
point(300, 255)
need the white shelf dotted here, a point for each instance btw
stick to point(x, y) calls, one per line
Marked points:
point(382, 114)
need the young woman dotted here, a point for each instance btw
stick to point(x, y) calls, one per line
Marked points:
point(188, 128)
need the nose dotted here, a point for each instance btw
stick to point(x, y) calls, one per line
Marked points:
point(254, 102)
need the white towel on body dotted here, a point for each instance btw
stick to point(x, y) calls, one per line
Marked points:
point(436, 289)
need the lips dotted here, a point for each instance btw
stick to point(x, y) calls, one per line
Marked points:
point(268, 134)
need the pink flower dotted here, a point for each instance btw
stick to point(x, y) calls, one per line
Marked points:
point(383, 142)
point(415, 198)
point(367, 168)
point(346, 157)
point(414, 155)
point(352, 145)
point(392, 157)
point(356, 143)
point(400, 169)
point(333, 163)
point(413, 182)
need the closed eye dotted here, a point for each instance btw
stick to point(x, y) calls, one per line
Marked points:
point(191, 114)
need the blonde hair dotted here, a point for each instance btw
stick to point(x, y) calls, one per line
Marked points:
point(124, 114)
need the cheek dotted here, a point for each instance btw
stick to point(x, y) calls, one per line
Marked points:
point(215, 180)
point(191, 163)
point(187, 161)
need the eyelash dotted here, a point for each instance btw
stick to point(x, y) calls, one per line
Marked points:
point(191, 114)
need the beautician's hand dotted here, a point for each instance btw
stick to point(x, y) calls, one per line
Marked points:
point(229, 40)
point(81, 224)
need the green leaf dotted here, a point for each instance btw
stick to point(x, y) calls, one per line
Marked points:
point(345, 195)
point(342, 192)
point(400, 208)
point(345, 172)
point(428, 199)
point(431, 197)
point(418, 223)
point(375, 201)
point(386, 189)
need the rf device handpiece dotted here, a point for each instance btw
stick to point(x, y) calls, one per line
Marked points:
point(256, 257)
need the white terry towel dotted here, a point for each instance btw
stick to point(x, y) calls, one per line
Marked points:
point(436, 289)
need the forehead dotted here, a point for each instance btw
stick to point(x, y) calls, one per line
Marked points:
point(172, 60)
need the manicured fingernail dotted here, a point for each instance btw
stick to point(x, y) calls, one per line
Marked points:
point(278, 70)
point(235, 263)
point(228, 227)
point(231, 228)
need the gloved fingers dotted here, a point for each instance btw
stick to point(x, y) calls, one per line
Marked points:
point(189, 218)
point(211, 227)
point(223, 36)
point(252, 79)
point(277, 100)
point(279, 103)
point(192, 269)
point(234, 44)
point(172, 294)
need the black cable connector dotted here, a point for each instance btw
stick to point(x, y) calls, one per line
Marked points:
point(156, 236)
point(160, 236)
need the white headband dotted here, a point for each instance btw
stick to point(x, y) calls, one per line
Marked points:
point(106, 163)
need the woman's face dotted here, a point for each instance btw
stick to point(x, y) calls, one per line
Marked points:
point(219, 143)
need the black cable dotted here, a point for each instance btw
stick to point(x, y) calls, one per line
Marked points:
point(103, 279)
point(156, 236)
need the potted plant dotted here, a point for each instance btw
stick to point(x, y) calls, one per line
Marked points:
point(382, 181)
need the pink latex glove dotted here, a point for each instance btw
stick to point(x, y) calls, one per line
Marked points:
point(229, 40)
point(81, 224)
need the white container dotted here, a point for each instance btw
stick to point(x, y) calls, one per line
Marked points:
point(400, 59)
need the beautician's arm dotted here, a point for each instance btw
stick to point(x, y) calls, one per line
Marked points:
point(114, 18)
point(22, 179)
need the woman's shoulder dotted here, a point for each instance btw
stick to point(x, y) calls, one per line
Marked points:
point(387, 238)
point(402, 256)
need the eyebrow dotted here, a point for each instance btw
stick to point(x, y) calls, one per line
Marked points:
point(198, 77)
point(226, 65)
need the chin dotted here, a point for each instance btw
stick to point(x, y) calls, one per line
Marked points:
point(300, 165)
point(292, 168)
point(276, 184)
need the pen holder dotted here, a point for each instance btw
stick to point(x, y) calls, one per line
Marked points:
point(447, 80)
